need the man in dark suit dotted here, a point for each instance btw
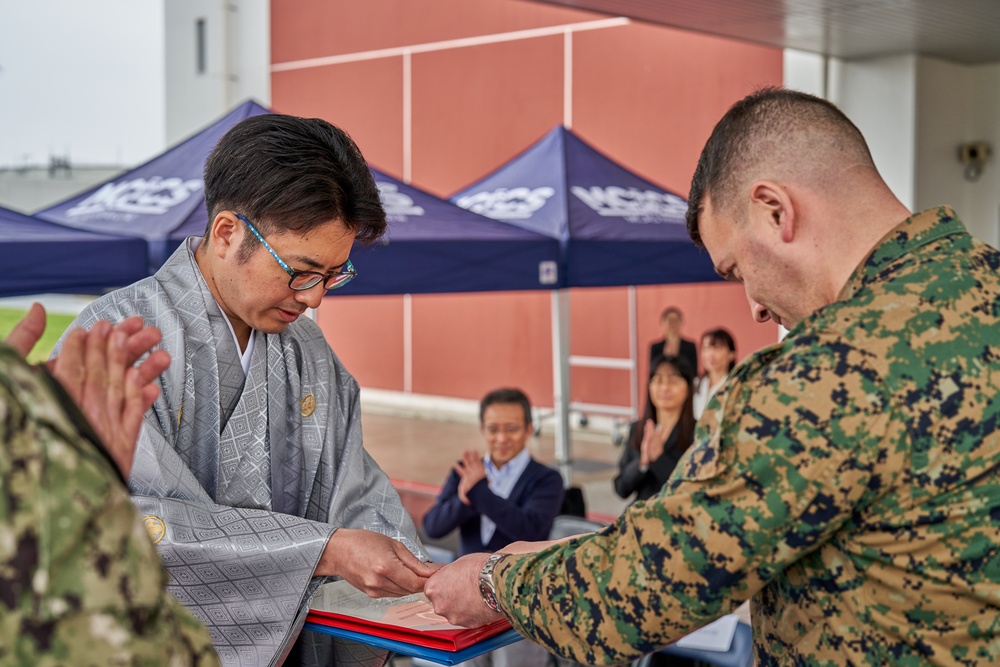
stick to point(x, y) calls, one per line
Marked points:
point(504, 497)
point(672, 321)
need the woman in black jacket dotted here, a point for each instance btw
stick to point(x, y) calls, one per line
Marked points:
point(656, 441)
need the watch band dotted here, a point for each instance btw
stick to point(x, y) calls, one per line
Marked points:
point(486, 587)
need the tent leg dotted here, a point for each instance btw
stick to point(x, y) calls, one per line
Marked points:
point(633, 353)
point(560, 381)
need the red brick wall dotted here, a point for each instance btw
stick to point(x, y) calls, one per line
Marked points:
point(445, 115)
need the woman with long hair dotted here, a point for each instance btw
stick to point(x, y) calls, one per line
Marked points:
point(656, 441)
point(718, 357)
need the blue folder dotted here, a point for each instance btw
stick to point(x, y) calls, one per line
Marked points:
point(433, 654)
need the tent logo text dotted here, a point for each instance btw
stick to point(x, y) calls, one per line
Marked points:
point(632, 204)
point(139, 196)
point(398, 205)
point(507, 204)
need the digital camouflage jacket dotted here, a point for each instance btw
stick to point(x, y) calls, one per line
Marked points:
point(80, 581)
point(846, 479)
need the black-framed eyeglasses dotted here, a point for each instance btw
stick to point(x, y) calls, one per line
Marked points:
point(303, 280)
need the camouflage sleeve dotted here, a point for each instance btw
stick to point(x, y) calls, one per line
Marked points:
point(80, 582)
point(766, 481)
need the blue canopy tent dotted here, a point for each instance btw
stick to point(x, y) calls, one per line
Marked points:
point(433, 246)
point(161, 201)
point(39, 257)
point(614, 229)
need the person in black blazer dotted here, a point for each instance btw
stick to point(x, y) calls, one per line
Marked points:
point(672, 345)
point(504, 497)
point(658, 440)
point(518, 509)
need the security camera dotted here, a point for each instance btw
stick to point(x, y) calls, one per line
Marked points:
point(974, 153)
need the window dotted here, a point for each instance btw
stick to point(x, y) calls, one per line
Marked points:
point(200, 47)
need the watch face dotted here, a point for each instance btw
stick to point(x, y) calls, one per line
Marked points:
point(488, 597)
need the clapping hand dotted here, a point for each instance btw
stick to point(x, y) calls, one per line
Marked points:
point(652, 444)
point(96, 369)
point(470, 470)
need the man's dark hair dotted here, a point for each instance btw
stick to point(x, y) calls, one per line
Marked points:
point(506, 396)
point(786, 127)
point(285, 173)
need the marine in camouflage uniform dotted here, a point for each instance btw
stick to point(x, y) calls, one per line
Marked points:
point(80, 581)
point(847, 480)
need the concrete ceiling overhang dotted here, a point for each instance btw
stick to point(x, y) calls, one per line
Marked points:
point(962, 31)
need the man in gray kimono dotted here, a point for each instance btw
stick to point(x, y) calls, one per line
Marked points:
point(250, 470)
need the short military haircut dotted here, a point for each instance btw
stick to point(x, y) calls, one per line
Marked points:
point(286, 173)
point(790, 132)
point(506, 396)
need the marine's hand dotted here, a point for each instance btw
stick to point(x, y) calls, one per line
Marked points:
point(375, 564)
point(454, 592)
point(26, 333)
point(95, 368)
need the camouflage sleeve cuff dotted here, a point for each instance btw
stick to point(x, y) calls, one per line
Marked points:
point(504, 580)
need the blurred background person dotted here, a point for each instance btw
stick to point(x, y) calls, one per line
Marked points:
point(504, 497)
point(673, 345)
point(718, 357)
point(656, 441)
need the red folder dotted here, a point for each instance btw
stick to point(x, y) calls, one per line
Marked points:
point(446, 640)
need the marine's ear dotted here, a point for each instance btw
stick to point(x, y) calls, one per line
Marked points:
point(773, 203)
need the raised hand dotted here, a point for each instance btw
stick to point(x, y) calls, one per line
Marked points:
point(470, 470)
point(26, 333)
point(652, 444)
point(96, 369)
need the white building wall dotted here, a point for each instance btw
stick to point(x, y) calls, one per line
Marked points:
point(915, 112)
point(805, 71)
point(984, 201)
point(879, 95)
point(236, 60)
point(944, 120)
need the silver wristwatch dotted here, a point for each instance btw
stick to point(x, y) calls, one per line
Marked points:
point(486, 587)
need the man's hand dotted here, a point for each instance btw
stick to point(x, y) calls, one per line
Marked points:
point(470, 470)
point(454, 592)
point(95, 368)
point(377, 565)
point(26, 333)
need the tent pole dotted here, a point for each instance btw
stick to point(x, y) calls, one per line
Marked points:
point(560, 381)
point(408, 343)
point(633, 353)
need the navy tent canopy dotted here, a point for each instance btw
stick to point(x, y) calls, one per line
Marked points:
point(161, 201)
point(433, 246)
point(39, 257)
point(614, 227)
